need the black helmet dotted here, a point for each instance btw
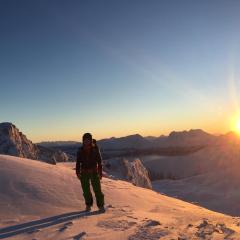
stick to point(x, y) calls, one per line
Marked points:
point(87, 136)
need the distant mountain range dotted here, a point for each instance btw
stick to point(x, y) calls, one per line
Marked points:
point(194, 137)
point(14, 142)
point(175, 144)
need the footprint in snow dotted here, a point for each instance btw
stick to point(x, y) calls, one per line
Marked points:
point(132, 217)
point(152, 223)
point(205, 228)
point(79, 236)
point(116, 225)
point(151, 229)
point(65, 226)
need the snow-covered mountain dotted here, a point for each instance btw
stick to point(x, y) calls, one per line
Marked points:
point(15, 143)
point(193, 137)
point(131, 170)
point(177, 143)
point(137, 173)
point(43, 201)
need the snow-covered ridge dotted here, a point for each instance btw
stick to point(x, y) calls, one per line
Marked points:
point(137, 173)
point(131, 170)
point(15, 143)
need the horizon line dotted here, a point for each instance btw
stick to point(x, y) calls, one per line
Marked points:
point(155, 136)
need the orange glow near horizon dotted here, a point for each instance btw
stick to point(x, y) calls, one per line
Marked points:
point(238, 126)
point(212, 124)
point(235, 123)
point(108, 134)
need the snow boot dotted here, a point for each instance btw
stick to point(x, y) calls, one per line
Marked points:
point(101, 209)
point(88, 208)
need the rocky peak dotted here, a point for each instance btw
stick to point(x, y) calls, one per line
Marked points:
point(15, 143)
point(137, 173)
point(130, 169)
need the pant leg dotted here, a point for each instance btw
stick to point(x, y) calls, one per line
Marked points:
point(95, 181)
point(85, 182)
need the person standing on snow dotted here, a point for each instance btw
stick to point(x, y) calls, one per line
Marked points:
point(89, 169)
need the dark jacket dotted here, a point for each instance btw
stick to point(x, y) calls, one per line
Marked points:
point(91, 161)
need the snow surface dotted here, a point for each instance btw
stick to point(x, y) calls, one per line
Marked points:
point(209, 177)
point(42, 201)
point(209, 159)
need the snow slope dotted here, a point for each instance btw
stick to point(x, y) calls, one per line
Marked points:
point(218, 190)
point(42, 201)
point(206, 160)
point(219, 156)
point(209, 177)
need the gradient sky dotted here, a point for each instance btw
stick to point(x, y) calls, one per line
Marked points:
point(115, 68)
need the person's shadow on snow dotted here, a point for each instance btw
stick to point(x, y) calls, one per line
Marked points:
point(34, 226)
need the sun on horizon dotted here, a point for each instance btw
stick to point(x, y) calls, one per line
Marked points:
point(237, 126)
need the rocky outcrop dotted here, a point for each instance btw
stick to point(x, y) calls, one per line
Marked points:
point(60, 156)
point(137, 173)
point(15, 143)
point(131, 170)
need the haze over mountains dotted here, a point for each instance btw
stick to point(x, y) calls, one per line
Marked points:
point(14, 142)
point(177, 143)
point(194, 137)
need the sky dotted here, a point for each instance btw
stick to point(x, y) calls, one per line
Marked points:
point(115, 68)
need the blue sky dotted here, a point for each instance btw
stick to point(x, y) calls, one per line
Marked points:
point(118, 67)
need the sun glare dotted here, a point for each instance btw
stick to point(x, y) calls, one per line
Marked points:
point(238, 126)
point(235, 123)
